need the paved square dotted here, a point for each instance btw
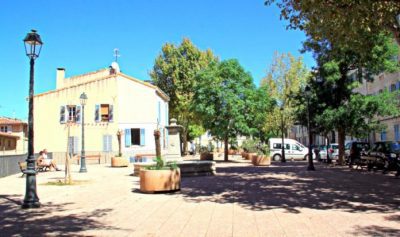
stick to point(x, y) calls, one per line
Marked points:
point(242, 200)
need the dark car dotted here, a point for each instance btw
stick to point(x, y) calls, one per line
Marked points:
point(383, 155)
point(354, 149)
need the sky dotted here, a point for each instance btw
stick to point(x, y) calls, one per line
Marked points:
point(80, 36)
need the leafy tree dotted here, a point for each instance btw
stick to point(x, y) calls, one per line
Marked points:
point(287, 75)
point(174, 72)
point(344, 22)
point(222, 94)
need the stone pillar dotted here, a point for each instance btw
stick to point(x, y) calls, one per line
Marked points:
point(174, 151)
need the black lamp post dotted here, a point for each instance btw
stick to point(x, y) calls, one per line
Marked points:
point(83, 99)
point(33, 45)
point(283, 137)
point(310, 157)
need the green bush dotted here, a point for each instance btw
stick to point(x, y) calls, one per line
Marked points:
point(250, 145)
point(160, 165)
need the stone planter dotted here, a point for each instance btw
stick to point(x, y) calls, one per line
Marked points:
point(152, 181)
point(250, 155)
point(119, 162)
point(138, 166)
point(244, 154)
point(231, 152)
point(261, 160)
point(206, 156)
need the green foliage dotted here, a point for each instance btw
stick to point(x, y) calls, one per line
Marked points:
point(174, 72)
point(221, 97)
point(160, 165)
point(195, 130)
point(250, 145)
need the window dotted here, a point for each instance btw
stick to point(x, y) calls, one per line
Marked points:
point(279, 146)
point(107, 143)
point(134, 137)
point(103, 113)
point(71, 113)
point(383, 135)
point(396, 132)
point(296, 147)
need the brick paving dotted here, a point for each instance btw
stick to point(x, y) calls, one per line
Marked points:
point(242, 200)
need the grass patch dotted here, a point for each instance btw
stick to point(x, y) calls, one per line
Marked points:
point(61, 182)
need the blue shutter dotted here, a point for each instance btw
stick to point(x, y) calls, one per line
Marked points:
point(97, 113)
point(76, 145)
point(70, 145)
point(78, 114)
point(110, 143)
point(105, 143)
point(111, 113)
point(128, 140)
point(166, 114)
point(62, 114)
point(396, 132)
point(398, 85)
point(142, 137)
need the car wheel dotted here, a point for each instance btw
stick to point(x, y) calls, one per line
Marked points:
point(305, 157)
point(276, 157)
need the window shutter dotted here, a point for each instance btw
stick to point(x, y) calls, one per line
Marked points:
point(76, 144)
point(128, 140)
point(105, 139)
point(398, 85)
point(62, 114)
point(78, 114)
point(70, 145)
point(142, 137)
point(111, 113)
point(110, 143)
point(159, 113)
point(97, 113)
point(166, 114)
point(9, 128)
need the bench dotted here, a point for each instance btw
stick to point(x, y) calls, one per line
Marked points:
point(39, 168)
point(139, 157)
point(89, 157)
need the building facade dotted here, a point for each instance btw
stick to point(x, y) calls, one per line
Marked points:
point(13, 136)
point(116, 102)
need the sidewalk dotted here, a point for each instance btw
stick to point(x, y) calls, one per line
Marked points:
point(242, 200)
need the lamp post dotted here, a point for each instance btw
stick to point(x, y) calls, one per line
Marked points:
point(283, 159)
point(310, 158)
point(83, 99)
point(33, 45)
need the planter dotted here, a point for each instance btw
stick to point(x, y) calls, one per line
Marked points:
point(231, 152)
point(160, 180)
point(244, 154)
point(119, 162)
point(250, 155)
point(206, 156)
point(261, 160)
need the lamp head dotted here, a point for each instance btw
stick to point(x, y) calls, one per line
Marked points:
point(33, 44)
point(83, 98)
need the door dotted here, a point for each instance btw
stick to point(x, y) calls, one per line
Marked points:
point(297, 153)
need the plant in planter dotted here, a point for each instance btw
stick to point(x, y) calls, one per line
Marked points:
point(118, 160)
point(205, 153)
point(160, 177)
point(232, 150)
point(262, 158)
point(250, 147)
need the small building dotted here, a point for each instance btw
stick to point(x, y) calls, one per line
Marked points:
point(116, 102)
point(13, 134)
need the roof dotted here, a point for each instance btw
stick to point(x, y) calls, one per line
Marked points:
point(3, 134)
point(159, 92)
point(10, 121)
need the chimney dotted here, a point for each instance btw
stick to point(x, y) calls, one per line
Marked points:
point(60, 78)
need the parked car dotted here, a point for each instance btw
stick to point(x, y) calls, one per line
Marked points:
point(293, 149)
point(356, 149)
point(331, 151)
point(383, 155)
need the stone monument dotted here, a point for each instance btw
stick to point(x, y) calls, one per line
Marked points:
point(174, 143)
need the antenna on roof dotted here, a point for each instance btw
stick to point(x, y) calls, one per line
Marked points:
point(116, 54)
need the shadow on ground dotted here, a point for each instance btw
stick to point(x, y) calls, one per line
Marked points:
point(47, 220)
point(291, 187)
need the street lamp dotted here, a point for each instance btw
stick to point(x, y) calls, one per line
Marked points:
point(310, 158)
point(83, 99)
point(283, 159)
point(33, 44)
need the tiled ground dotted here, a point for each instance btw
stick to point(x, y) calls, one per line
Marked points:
point(242, 200)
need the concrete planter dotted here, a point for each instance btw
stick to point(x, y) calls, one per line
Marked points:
point(152, 181)
point(261, 160)
point(119, 162)
point(206, 156)
point(250, 155)
point(244, 154)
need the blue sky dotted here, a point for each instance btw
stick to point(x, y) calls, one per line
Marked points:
point(80, 36)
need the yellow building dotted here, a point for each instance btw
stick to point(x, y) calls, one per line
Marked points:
point(116, 102)
point(12, 136)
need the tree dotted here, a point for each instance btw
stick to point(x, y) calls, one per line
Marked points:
point(345, 22)
point(286, 76)
point(174, 72)
point(221, 97)
point(336, 99)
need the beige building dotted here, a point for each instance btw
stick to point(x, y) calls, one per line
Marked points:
point(116, 102)
point(13, 134)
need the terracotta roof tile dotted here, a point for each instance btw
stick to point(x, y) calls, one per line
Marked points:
point(10, 121)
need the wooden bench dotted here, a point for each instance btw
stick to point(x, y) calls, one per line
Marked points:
point(89, 157)
point(140, 156)
point(39, 168)
point(22, 167)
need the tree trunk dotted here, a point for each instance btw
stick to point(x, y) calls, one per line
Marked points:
point(341, 138)
point(157, 140)
point(184, 141)
point(226, 140)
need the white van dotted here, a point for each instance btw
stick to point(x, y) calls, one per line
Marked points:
point(293, 149)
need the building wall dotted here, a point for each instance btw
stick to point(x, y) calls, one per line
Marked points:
point(53, 135)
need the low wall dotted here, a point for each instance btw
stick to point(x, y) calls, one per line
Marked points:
point(9, 164)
